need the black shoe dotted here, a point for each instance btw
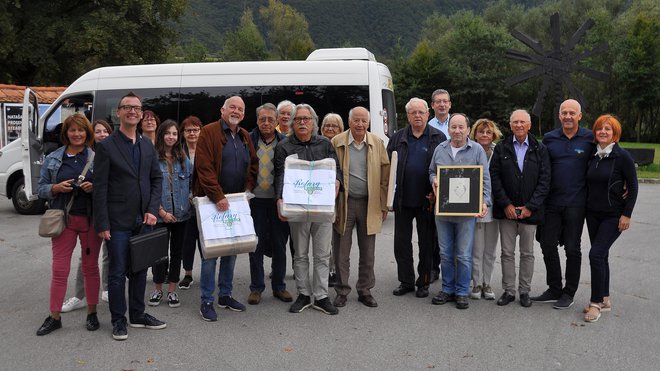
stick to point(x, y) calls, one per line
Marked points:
point(301, 303)
point(525, 301)
point(92, 322)
point(340, 301)
point(505, 299)
point(148, 321)
point(50, 324)
point(564, 302)
point(422, 292)
point(185, 283)
point(368, 300)
point(435, 275)
point(403, 289)
point(119, 331)
point(443, 298)
point(546, 297)
point(462, 302)
point(332, 279)
point(325, 306)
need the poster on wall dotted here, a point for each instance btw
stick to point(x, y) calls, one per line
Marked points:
point(11, 118)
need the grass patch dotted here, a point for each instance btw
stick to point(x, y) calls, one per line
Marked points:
point(651, 170)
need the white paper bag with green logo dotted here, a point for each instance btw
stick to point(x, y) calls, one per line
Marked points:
point(224, 233)
point(309, 190)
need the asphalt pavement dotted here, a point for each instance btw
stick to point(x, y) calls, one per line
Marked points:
point(403, 333)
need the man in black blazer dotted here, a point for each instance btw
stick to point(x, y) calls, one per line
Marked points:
point(127, 195)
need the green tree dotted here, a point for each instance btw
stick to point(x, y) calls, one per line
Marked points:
point(195, 51)
point(54, 42)
point(245, 43)
point(288, 31)
point(637, 71)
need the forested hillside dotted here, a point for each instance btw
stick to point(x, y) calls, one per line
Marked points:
point(375, 24)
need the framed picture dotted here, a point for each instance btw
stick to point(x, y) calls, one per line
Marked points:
point(460, 190)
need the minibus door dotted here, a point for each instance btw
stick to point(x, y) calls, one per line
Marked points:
point(30, 145)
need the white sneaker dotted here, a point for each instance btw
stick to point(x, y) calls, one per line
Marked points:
point(488, 293)
point(73, 303)
point(475, 293)
point(104, 296)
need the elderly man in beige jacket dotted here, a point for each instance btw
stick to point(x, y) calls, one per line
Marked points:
point(362, 204)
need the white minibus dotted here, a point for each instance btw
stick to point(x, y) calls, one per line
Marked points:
point(330, 80)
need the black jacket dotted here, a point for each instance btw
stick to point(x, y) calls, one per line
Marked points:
point(122, 193)
point(511, 187)
point(607, 181)
point(317, 148)
point(399, 142)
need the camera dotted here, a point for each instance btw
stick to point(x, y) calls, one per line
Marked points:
point(518, 212)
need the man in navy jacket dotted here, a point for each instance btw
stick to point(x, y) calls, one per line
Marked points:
point(520, 178)
point(127, 193)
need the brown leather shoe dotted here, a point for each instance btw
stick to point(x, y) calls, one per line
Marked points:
point(368, 300)
point(340, 301)
point(283, 295)
point(254, 298)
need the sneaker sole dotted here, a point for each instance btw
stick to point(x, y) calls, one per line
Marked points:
point(323, 310)
point(545, 301)
point(153, 304)
point(207, 319)
point(120, 337)
point(562, 308)
point(475, 296)
point(231, 308)
point(186, 287)
point(301, 309)
point(174, 305)
point(489, 297)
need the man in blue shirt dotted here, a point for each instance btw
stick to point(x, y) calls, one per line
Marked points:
point(569, 148)
point(441, 104)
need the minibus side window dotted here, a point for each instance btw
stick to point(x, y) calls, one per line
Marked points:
point(163, 101)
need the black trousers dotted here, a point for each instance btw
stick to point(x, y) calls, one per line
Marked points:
point(562, 224)
point(403, 249)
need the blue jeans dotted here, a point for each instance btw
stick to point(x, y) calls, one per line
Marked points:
point(455, 242)
point(272, 233)
point(119, 255)
point(225, 277)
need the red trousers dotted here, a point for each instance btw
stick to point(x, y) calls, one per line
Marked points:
point(63, 245)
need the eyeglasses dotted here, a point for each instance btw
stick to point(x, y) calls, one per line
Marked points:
point(417, 113)
point(298, 120)
point(438, 101)
point(191, 131)
point(331, 126)
point(131, 108)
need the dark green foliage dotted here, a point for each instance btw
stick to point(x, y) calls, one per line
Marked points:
point(54, 42)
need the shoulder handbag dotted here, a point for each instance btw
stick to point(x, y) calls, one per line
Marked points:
point(148, 249)
point(53, 222)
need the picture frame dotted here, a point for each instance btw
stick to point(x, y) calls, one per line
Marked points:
point(460, 190)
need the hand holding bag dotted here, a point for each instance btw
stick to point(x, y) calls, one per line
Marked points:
point(53, 222)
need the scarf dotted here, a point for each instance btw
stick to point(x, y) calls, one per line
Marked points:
point(604, 152)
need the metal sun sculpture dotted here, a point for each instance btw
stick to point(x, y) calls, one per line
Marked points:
point(556, 64)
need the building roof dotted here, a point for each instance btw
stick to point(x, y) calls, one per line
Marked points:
point(14, 93)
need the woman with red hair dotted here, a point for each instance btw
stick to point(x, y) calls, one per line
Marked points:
point(612, 192)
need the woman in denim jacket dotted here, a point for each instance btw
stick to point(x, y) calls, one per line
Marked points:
point(174, 209)
point(61, 178)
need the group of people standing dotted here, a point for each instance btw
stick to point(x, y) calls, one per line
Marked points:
point(531, 189)
point(144, 174)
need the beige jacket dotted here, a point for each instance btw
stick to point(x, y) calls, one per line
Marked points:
point(378, 173)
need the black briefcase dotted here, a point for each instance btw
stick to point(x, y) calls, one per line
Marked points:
point(148, 249)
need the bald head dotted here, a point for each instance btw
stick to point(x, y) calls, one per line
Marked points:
point(570, 114)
